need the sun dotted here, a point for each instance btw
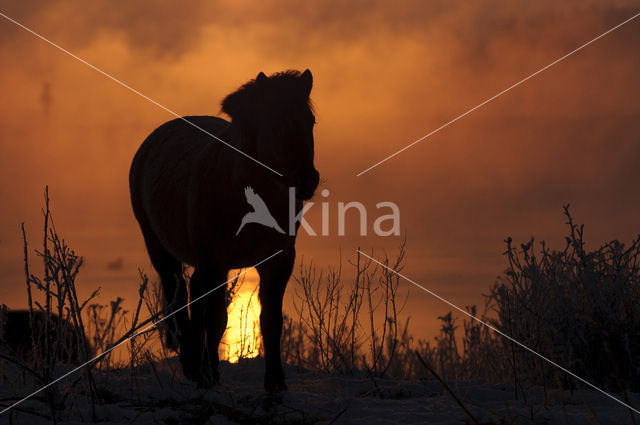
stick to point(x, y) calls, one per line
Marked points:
point(242, 338)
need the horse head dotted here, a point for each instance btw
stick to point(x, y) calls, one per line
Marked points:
point(276, 118)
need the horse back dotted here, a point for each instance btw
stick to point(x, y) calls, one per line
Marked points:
point(167, 179)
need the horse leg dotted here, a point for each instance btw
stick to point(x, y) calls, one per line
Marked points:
point(208, 317)
point(193, 337)
point(174, 288)
point(216, 322)
point(274, 276)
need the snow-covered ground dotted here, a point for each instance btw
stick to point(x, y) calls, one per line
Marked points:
point(162, 397)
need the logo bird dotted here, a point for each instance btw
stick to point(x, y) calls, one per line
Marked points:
point(260, 213)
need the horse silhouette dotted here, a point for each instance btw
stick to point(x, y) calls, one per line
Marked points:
point(187, 193)
point(260, 213)
point(17, 336)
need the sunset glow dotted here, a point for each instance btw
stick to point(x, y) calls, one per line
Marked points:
point(436, 201)
point(242, 338)
point(384, 75)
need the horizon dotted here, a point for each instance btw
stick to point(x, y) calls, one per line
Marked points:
point(382, 79)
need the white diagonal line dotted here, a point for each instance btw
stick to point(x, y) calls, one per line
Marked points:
point(498, 331)
point(95, 68)
point(498, 95)
point(151, 326)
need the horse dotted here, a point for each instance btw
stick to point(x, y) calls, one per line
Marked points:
point(17, 336)
point(188, 196)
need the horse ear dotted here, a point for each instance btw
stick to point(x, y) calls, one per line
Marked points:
point(307, 82)
point(261, 77)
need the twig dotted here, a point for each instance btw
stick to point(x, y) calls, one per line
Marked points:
point(34, 344)
point(444, 384)
point(336, 417)
point(23, 366)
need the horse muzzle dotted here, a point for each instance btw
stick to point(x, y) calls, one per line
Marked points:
point(305, 184)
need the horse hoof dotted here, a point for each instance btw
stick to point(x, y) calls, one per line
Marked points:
point(203, 379)
point(204, 384)
point(274, 380)
point(210, 379)
point(273, 387)
point(191, 376)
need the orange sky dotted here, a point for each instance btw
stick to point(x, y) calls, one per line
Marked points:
point(384, 75)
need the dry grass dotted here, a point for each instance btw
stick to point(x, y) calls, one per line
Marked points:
point(581, 308)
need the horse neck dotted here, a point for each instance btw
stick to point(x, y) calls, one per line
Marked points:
point(245, 141)
point(248, 171)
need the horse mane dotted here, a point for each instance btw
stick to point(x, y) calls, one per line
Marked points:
point(277, 89)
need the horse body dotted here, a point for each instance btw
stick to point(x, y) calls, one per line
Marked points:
point(185, 183)
point(188, 195)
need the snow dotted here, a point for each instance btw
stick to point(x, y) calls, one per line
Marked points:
point(164, 397)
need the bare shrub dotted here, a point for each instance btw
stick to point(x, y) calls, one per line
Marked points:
point(62, 328)
point(578, 307)
point(359, 327)
point(342, 328)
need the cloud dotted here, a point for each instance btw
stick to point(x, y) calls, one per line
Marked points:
point(168, 28)
point(162, 28)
